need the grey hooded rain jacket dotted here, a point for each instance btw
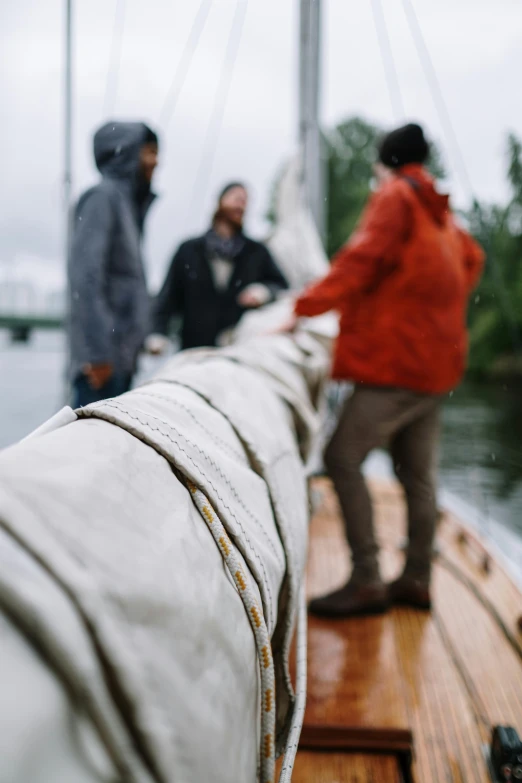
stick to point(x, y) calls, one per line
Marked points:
point(109, 302)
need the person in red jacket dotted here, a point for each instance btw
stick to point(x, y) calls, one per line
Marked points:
point(401, 285)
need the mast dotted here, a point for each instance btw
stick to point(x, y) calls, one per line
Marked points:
point(68, 112)
point(67, 170)
point(309, 130)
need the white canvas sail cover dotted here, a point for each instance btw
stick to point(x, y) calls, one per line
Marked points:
point(116, 600)
point(295, 242)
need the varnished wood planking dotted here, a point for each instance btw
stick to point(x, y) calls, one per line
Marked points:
point(353, 681)
point(488, 666)
point(449, 698)
point(497, 587)
point(446, 735)
point(354, 678)
point(345, 768)
point(463, 636)
point(491, 667)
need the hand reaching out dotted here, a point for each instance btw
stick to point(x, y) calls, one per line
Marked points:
point(98, 374)
point(287, 326)
point(254, 295)
point(157, 344)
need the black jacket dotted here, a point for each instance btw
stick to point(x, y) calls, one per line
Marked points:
point(189, 291)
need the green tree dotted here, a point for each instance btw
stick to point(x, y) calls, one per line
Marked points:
point(350, 157)
point(495, 315)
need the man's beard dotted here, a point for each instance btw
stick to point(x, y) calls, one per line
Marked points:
point(229, 216)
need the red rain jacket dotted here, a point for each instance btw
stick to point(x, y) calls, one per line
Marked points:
point(401, 285)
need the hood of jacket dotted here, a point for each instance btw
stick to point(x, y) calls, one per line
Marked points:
point(437, 204)
point(117, 148)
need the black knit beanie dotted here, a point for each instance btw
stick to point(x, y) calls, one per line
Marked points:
point(404, 145)
point(230, 186)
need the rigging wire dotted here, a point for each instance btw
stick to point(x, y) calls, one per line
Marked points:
point(111, 87)
point(436, 92)
point(212, 134)
point(174, 92)
point(445, 119)
point(388, 61)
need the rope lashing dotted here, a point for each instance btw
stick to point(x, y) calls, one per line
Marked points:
point(259, 628)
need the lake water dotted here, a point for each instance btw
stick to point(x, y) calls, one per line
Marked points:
point(33, 384)
point(481, 449)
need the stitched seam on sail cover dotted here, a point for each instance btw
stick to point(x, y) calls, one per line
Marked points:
point(118, 406)
point(219, 441)
point(92, 412)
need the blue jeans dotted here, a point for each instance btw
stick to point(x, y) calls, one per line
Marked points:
point(84, 394)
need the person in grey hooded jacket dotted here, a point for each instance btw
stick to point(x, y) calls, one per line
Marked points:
point(109, 302)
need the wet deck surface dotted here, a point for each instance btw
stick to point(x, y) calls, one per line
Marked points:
point(331, 768)
point(435, 682)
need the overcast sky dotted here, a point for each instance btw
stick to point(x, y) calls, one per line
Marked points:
point(476, 46)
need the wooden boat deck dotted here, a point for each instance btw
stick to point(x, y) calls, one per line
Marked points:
point(409, 683)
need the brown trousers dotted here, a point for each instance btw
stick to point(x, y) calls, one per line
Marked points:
point(408, 424)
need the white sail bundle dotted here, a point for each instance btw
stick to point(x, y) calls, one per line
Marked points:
point(119, 605)
point(295, 242)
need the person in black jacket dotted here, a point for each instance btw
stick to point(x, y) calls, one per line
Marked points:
point(213, 279)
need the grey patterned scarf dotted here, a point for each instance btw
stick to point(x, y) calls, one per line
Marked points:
point(227, 248)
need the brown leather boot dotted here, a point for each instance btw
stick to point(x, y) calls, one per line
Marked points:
point(352, 600)
point(406, 591)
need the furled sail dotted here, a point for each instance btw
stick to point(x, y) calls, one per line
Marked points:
point(295, 242)
point(112, 574)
